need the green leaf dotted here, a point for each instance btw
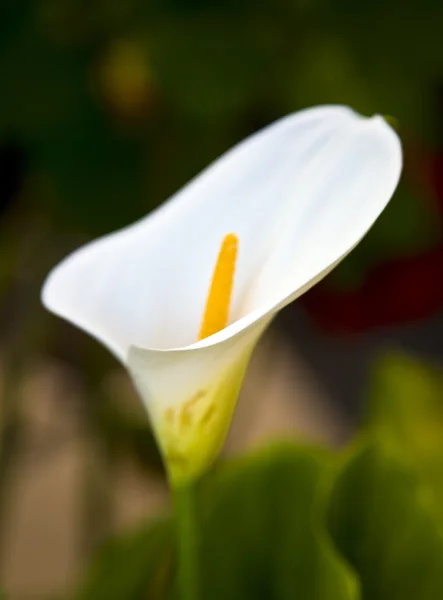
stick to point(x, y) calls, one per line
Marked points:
point(262, 537)
point(385, 508)
point(130, 566)
point(382, 518)
point(407, 415)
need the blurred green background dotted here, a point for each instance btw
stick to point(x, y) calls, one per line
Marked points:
point(106, 108)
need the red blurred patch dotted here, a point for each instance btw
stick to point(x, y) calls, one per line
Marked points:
point(397, 291)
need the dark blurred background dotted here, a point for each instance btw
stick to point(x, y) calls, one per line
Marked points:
point(106, 108)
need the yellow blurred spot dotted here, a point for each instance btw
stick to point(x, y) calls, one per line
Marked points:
point(215, 317)
point(126, 78)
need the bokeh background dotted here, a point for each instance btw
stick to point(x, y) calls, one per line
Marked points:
point(106, 108)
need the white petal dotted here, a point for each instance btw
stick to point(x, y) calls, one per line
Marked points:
point(299, 194)
point(334, 204)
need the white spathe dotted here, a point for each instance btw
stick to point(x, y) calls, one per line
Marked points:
point(300, 194)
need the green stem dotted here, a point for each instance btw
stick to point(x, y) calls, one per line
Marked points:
point(187, 541)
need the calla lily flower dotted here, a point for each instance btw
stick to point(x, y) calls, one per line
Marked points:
point(182, 296)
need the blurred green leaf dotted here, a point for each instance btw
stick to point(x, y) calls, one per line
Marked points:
point(262, 538)
point(131, 566)
point(385, 512)
point(406, 415)
point(384, 523)
point(264, 535)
